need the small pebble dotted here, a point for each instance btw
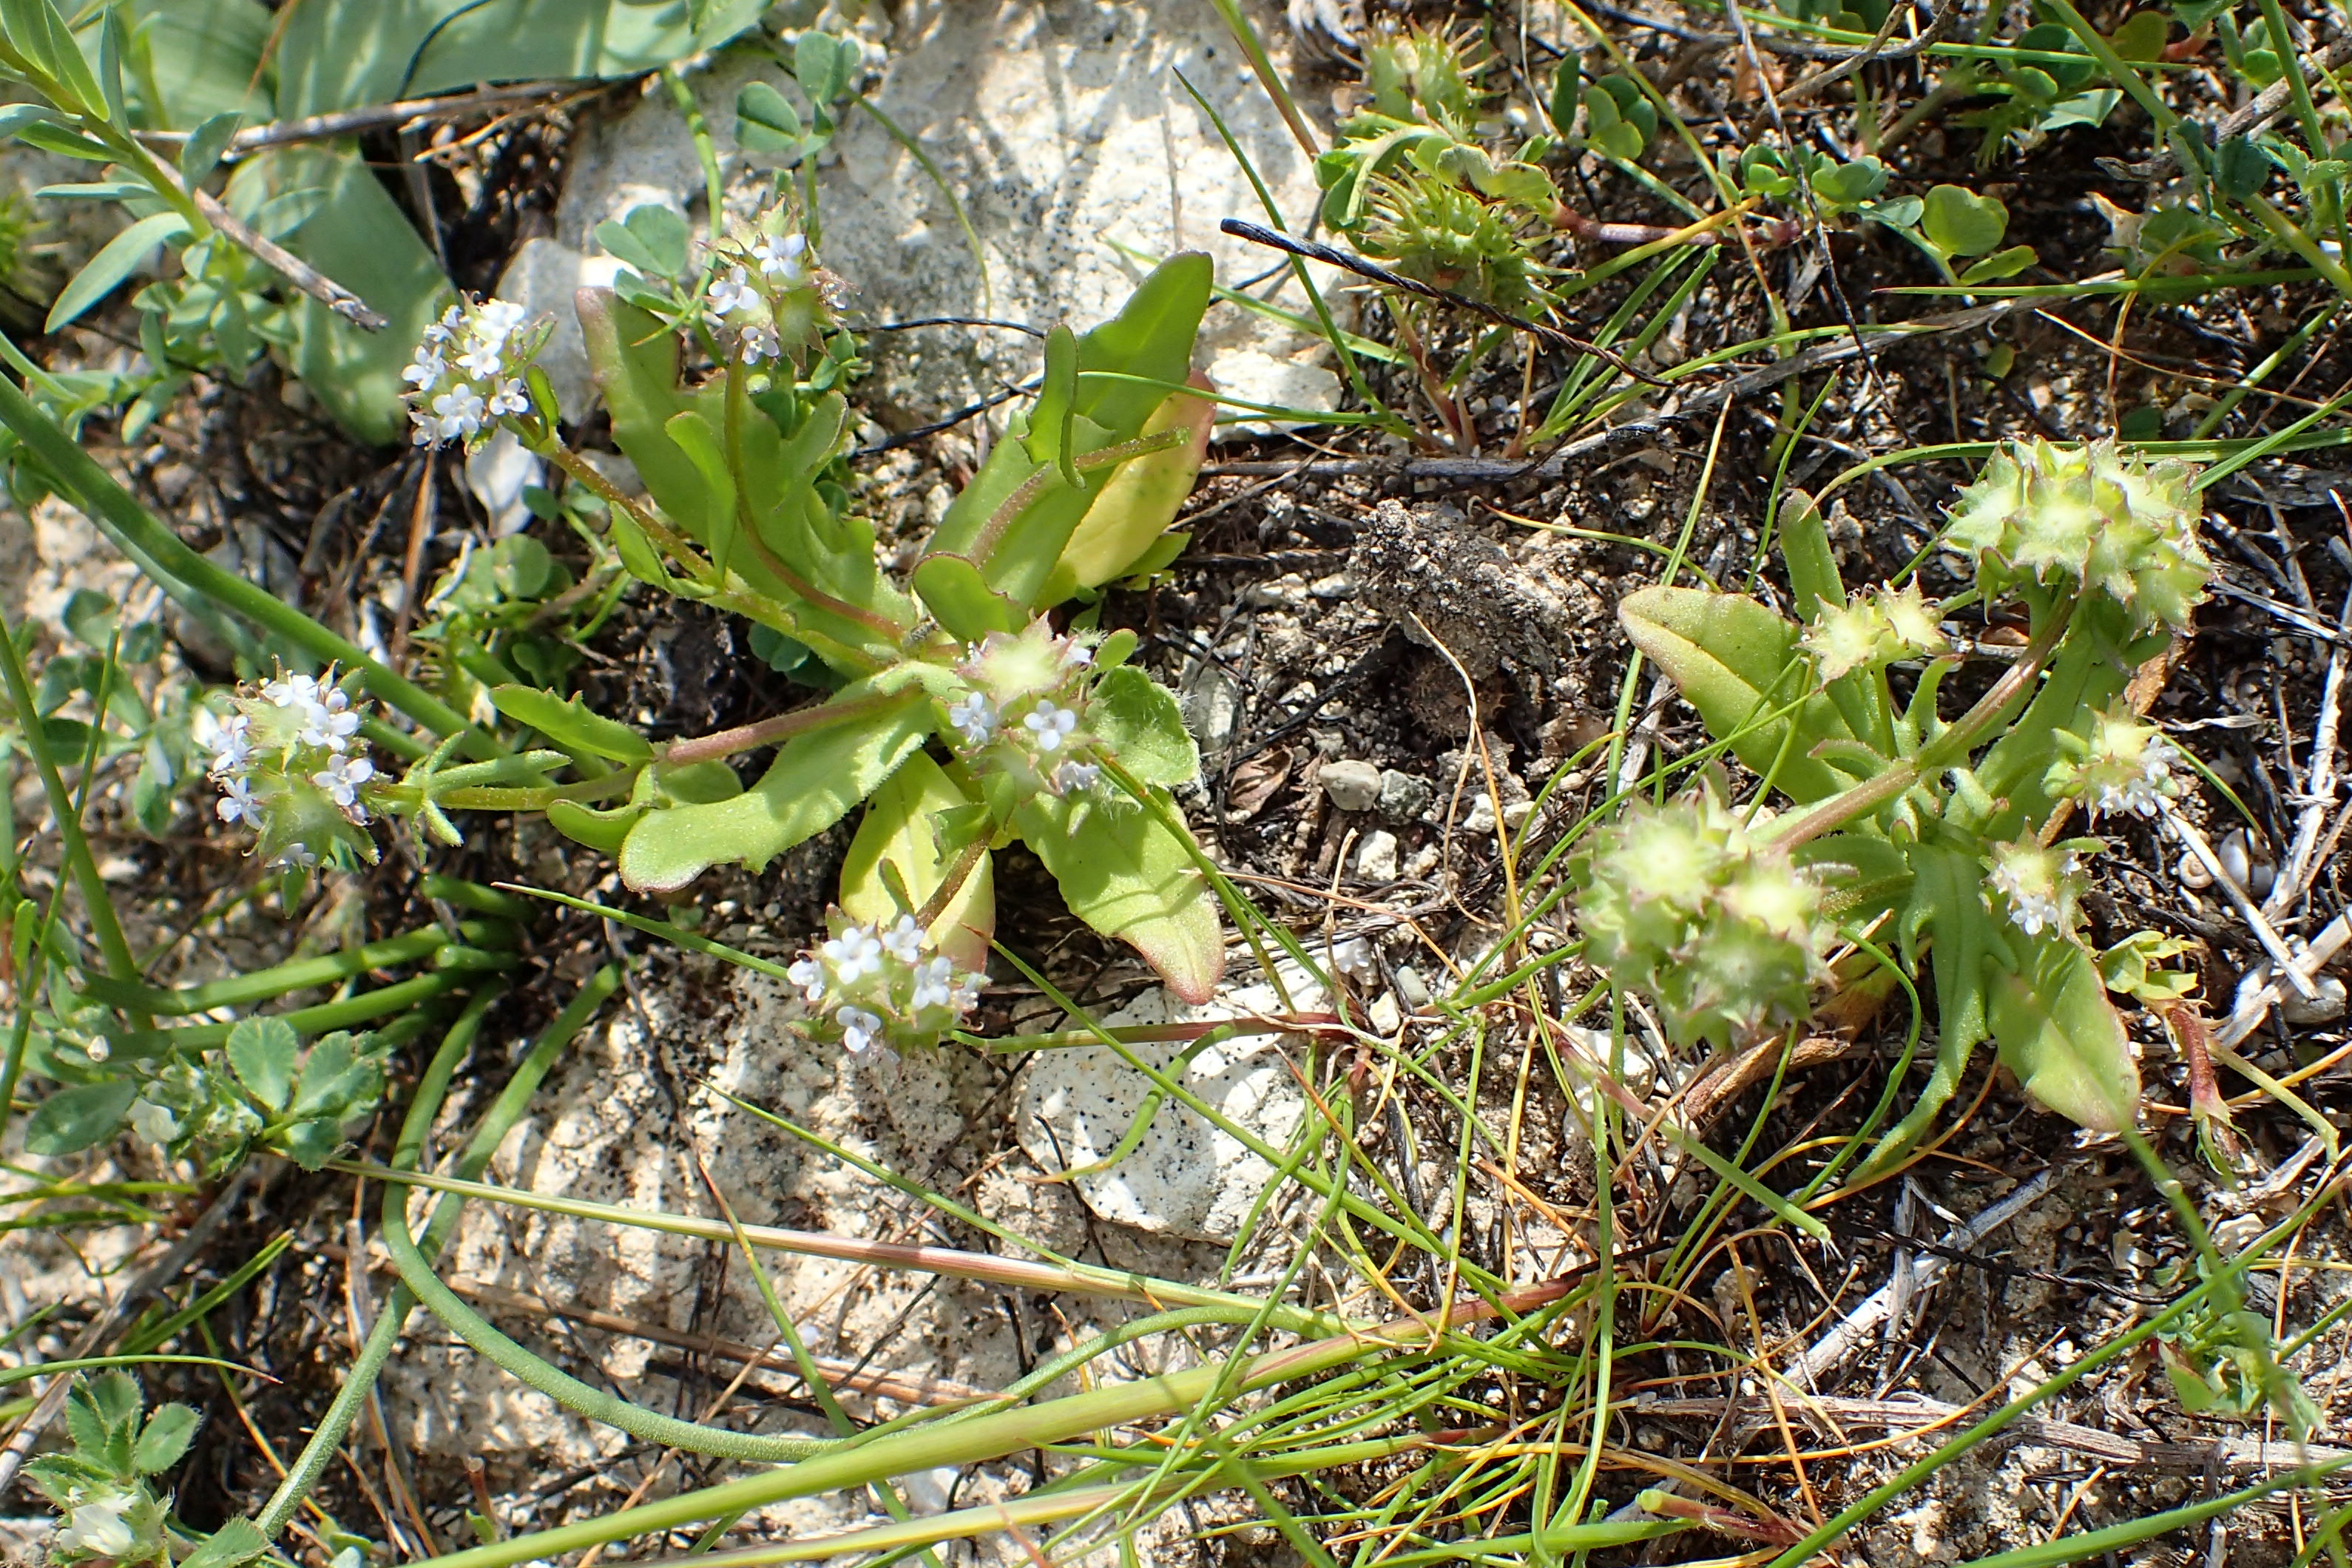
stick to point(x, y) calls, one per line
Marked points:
point(2324, 1007)
point(1350, 786)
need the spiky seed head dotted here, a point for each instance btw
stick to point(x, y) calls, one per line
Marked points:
point(2088, 518)
point(1680, 902)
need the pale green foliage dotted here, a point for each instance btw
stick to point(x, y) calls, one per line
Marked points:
point(1938, 822)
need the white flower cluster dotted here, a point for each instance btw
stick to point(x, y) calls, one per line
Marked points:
point(2123, 765)
point(469, 371)
point(291, 765)
point(1025, 714)
point(2037, 884)
point(764, 294)
point(869, 986)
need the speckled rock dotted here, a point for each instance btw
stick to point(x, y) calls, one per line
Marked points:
point(1185, 1177)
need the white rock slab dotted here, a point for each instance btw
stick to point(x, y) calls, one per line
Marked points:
point(1066, 133)
point(1185, 1177)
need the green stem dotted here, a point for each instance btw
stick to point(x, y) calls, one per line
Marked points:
point(1948, 748)
point(119, 514)
point(591, 1404)
point(244, 990)
point(978, 1438)
point(142, 1043)
point(119, 962)
point(407, 1152)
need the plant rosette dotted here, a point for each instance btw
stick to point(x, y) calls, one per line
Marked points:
point(289, 764)
point(886, 985)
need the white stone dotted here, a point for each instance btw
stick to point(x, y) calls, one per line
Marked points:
point(1079, 160)
point(1376, 857)
point(1350, 786)
point(542, 279)
point(497, 475)
point(1184, 1177)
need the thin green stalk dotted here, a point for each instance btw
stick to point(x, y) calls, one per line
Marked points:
point(244, 990)
point(342, 1014)
point(408, 1150)
point(984, 1438)
point(393, 1320)
point(80, 862)
point(119, 514)
point(589, 1402)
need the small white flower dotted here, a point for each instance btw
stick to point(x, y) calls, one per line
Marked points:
point(342, 779)
point(781, 258)
point(97, 1527)
point(298, 857)
point(423, 430)
point(153, 1121)
point(904, 942)
point(809, 976)
point(426, 368)
point(457, 412)
point(855, 952)
point(758, 343)
point(966, 995)
point(733, 294)
point(934, 984)
point(442, 330)
point(233, 747)
point(2033, 910)
point(1076, 654)
point(293, 692)
point(1072, 777)
point(1051, 725)
point(510, 398)
point(483, 360)
point(859, 1028)
point(330, 723)
point(237, 803)
point(498, 319)
point(974, 718)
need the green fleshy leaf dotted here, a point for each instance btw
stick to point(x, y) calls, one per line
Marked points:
point(600, 830)
point(262, 1052)
point(961, 600)
point(901, 832)
point(238, 1542)
point(74, 1119)
point(164, 1438)
point(816, 779)
point(1124, 873)
point(568, 722)
point(1141, 724)
point(2059, 1034)
point(1733, 659)
point(1124, 528)
point(117, 260)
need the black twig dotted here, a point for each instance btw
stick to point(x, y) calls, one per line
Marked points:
point(1348, 261)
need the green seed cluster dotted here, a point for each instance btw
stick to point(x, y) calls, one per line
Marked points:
point(2046, 519)
point(1682, 904)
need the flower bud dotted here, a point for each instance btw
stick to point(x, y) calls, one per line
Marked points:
point(2086, 518)
point(1876, 630)
point(881, 986)
point(2034, 885)
point(1681, 903)
point(2123, 764)
point(468, 372)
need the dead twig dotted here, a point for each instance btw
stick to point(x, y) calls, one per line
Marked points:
point(1348, 262)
